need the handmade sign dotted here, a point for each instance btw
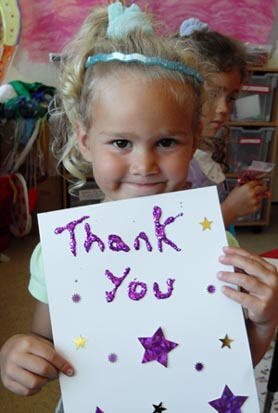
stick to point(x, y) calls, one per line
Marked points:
point(137, 308)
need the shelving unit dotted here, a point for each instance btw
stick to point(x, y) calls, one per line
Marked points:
point(262, 217)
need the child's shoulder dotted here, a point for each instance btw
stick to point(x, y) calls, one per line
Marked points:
point(37, 285)
point(232, 241)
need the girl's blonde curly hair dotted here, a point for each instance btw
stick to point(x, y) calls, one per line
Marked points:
point(79, 86)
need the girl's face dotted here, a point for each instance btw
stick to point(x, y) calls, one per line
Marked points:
point(222, 91)
point(141, 139)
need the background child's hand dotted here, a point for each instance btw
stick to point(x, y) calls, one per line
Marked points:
point(243, 200)
point(28, 362)
point(258, 281)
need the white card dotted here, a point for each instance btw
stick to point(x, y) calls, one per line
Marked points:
point(138, 309)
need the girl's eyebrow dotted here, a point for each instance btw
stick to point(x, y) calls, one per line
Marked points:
point(224, 89)
point(213, 85)
point(130, 135)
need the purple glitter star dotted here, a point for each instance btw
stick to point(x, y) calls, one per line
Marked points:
point(228, 402)
point(157, 347)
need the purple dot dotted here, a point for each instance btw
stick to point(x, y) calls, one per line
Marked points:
point(112, 357)
point(211, 289)
point(199, 366)
point(76, 298)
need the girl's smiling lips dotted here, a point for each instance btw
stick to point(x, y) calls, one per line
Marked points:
point(144, 188)
point(217, 124)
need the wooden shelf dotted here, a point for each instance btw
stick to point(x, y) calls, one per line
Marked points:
point(253, 124)
point(263, 69)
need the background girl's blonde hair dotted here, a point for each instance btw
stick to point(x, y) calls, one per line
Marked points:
point(78, 86)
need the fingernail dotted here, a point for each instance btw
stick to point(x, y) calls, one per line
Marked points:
point(69, 372)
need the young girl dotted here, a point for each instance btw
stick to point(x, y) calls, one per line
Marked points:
point(228, 57)
point(132, 102)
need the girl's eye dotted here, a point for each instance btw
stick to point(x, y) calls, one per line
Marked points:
point(121, 143)
point(231, 99)
point(167, 142)
point(212, 95)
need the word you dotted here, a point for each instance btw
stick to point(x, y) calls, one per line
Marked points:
point(136, 289)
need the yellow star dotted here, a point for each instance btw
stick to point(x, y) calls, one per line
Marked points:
point(226, 341)
point(206, 224)
point(80, 342)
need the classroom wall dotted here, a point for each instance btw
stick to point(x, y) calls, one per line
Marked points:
point(52, 24)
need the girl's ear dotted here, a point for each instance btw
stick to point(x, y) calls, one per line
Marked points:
point(83, 141)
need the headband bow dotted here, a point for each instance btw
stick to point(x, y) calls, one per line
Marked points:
point(122, 20)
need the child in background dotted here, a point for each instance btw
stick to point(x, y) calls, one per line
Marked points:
point(228, 57)
point(132, 102)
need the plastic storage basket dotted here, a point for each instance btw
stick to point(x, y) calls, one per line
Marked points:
point(246, 145)
point(87, 195)
point(254, 102)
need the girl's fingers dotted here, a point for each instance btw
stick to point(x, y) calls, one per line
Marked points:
point(258, 282)
point(246, 300)
point(38, 366)
point(31, 382)
point(42, 359)
point(251, 264)
point(249, 283)
point(20, 389)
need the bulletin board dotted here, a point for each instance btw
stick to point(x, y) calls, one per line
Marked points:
point(52, 24)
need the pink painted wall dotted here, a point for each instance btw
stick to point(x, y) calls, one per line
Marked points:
point(52, 23)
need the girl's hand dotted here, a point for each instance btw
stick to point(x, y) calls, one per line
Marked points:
point(258, 281)
point(28, 362)
point(243, 200)
point(258, 294)
point(248, 197)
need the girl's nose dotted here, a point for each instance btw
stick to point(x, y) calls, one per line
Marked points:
point(144, 162)
point(222, 106)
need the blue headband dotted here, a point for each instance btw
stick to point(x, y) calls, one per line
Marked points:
point(145, 60)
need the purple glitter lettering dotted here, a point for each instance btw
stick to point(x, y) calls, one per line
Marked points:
point(71, 228)
point(98, 410)
point(160, 228)
point(117, 281)
point(158, 294)
point(117, 244)
point(145, 238)
point(137, 295)
point(90, 238)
